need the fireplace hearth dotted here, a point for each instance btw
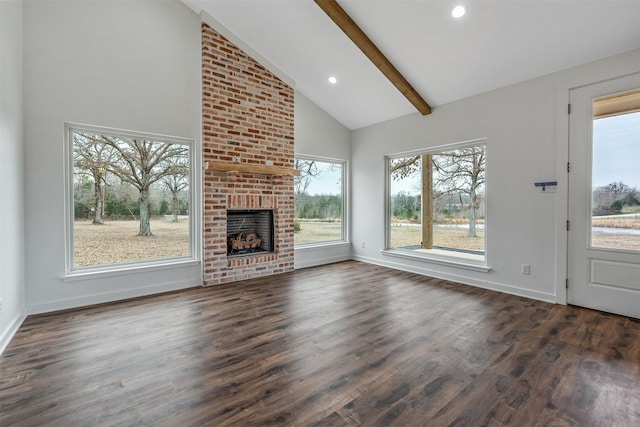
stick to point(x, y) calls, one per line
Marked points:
point(249, 232)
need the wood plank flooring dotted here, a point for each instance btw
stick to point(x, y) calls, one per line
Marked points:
point(349, 344)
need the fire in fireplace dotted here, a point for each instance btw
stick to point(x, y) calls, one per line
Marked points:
point(249, 232)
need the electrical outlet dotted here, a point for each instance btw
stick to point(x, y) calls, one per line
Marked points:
point(526, 269)
point(236, 159)
point(364, 244)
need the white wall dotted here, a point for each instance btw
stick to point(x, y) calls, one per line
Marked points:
point(319, 134)
point(12, 294)
point(130, 65)
point(526, 126)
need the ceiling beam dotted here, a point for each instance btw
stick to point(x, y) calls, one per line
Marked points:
point(364, 43)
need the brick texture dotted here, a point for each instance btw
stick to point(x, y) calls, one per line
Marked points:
point(247, 113)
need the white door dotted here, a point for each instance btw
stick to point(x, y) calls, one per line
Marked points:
point(604, 193)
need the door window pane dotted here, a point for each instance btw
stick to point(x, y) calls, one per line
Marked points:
point(615, 208)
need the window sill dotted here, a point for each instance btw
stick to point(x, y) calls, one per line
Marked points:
point(426, 256)
point(327, 244)
point(124, 269)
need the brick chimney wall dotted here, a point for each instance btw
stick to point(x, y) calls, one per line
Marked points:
point(247, 115)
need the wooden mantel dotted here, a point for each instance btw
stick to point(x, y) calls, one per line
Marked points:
point(250, 168)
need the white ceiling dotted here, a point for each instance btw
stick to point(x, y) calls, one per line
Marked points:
point(497, 43)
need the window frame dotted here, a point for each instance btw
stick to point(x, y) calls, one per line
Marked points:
point(434, 257)
point(73, 272)
point(344, 189)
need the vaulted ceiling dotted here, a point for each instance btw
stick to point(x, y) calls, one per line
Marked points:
point(496, 44)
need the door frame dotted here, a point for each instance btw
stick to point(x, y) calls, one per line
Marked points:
point(601, 72)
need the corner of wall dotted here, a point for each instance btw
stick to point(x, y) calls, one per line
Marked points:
point(12, 256)
point(11, 329)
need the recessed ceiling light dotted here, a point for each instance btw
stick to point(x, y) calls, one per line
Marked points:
point(458, 11)
point(333, 80)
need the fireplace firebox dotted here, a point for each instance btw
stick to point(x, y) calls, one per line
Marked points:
point(249, 232)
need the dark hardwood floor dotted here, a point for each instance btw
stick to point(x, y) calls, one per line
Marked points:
point(339, 345)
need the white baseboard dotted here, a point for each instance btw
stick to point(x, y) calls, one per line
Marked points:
point(8, 334)
point(314, 255)
point(86, 300)
point(321, 261)
point(484, 284)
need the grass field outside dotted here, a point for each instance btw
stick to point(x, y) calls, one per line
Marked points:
point(116, 242)
point(629, 221)
point(615, 241)
point(616, 231)
point(403, 235)
point(318, 231)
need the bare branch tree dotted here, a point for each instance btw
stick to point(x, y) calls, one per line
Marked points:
point(405, 167)
point(461, 172)
point(142, 163)
point(93, 156)
point(177, 181)
point(308, 170)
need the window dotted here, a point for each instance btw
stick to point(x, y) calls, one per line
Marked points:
point(615, 201)
point(436, 202)
point(130, 198)
point(319, 201)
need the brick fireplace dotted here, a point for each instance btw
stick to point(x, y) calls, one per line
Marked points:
point(248, 150)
